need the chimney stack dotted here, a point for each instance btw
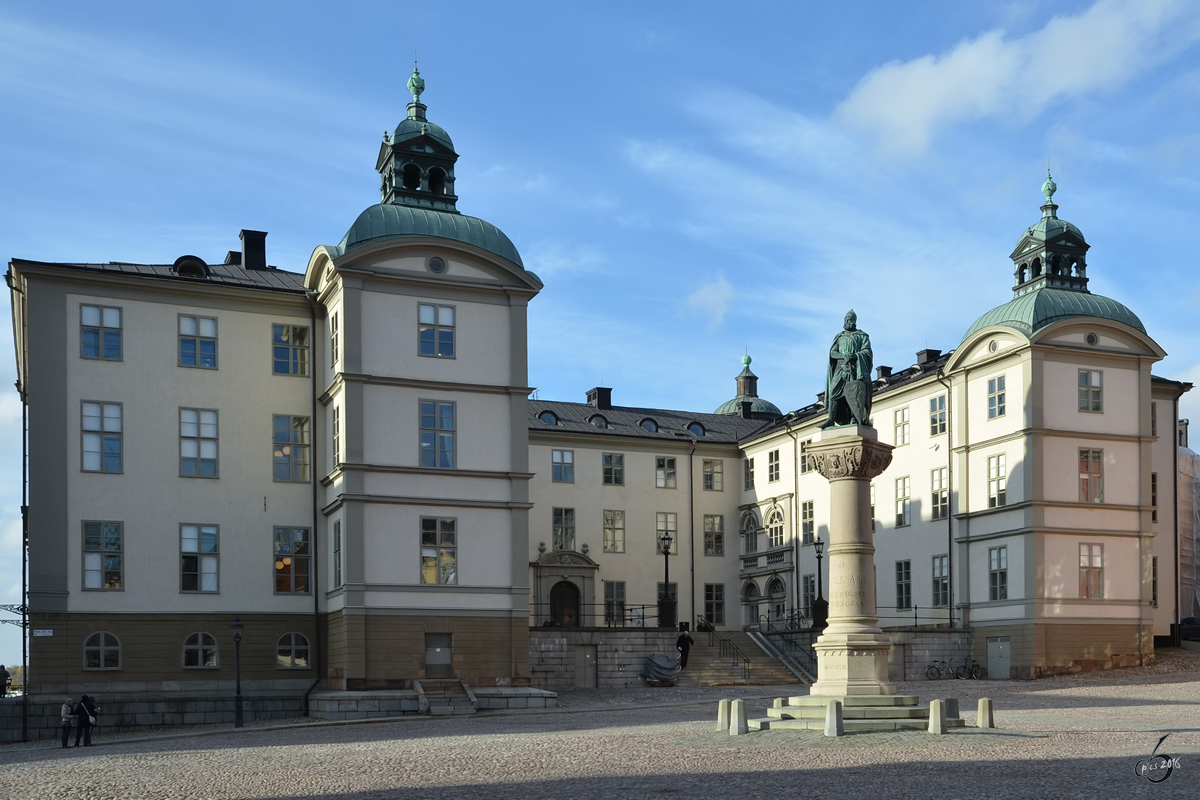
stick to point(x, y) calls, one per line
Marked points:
point(927, 355)
point(600, 397)
point(747, 405)
point(254, 249)
point(882, 372)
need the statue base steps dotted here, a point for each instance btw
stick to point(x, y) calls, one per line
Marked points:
point(859, 713)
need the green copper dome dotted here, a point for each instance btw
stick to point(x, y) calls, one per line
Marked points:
point(1034, 310)
point(390, 221)
point(412, 128)
point(757, 406)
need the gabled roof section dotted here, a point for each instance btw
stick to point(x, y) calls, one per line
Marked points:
point(390, 221)
point(626, 421)
point(271, 280)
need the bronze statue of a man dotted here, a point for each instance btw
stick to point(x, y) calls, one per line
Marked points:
point(848, 380)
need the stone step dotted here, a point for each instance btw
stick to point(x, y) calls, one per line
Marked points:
point(848, 724)
point(852, 700)
point(446, 711)
point(879, 712)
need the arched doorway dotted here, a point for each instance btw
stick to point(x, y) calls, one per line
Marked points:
point(564, 604)
point(750, 598)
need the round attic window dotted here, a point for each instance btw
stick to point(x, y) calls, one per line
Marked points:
point(599, 422)
point(1092, 339)
point(547, 418)
point(992, 346)
point(437, 265)
point(696, 429)
point(649, 425)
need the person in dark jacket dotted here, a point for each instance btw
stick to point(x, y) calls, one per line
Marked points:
point(85, 712)
point(684, 645)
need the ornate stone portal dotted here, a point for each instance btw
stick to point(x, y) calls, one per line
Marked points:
point(852, 653)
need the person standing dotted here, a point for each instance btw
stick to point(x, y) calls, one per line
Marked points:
point(67, 714)
point(4, 679)
point(86, 718)
point(684, 645)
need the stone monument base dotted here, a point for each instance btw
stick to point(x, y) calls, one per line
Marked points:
point(874, 712)
point(852, 664)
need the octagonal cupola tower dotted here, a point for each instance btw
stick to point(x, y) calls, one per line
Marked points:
point(416, 161)
point(1051, 253)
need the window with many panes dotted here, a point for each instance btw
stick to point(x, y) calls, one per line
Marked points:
point(666, 522)
point(808, 595)
point(335, 432)
point(903, 501)
point(997, 481)
point(998, 573)
point(806, 465)
point(289, 349)
point(664, 472)
point(439, 550)
point(436, 331)
point(563, 532)
point(338, 575)
point(200, 651)
point(562, 466)
point(100, 332)
point(1154, 497)
point(1091, 397)
point(292, 553)
point(714, 477)
point(614, 531)
point(747, 473)
point(1091, 571)
point(291, 651)
point(102, 437)
point(197, 443)
point(103, 555)
point(437, 434)
point(901, 426)
point(197, 342)
point(903, 585)
point(941, 580)
point(714, 603)
point(937, 415)
point(614, 469)
point(807, 522)
point(199, 548)
point(995, 399)
point(775, 527)
point(772, 466)
point(289, 452)
point(714, 534)
point(333, 338)
point(1091, 476)
point(102, 650)
point(749, 531)
point(939, 493)
point(614, 602)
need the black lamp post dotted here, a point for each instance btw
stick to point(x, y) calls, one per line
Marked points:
point(238, 720)
point(820, 605)
point(666, 609)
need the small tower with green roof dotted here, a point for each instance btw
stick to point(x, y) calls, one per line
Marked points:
point(416, 161)
point(747, 392)
point(1052, 252)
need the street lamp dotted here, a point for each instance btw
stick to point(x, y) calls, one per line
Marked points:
point(238, 720)
point(820, 605)
point(666, 613)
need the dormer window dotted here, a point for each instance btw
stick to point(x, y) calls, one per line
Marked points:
point(649, 425)
point(547, 418)
point(599, 422)
point(696, 429)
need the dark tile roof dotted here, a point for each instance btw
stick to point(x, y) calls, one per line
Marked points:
point(626, 421)
point(273, 280)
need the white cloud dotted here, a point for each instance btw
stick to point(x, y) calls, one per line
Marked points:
point(902, 104)
point(711, 300)
point(556, 258)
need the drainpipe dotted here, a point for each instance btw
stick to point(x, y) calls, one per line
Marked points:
point(315, 572)
point(692, 528)
point(949, 497)
point(1175, 637)
point(22, 389)
point(795, 516)
point(1141, 541)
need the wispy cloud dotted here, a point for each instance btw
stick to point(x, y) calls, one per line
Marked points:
point(711, 301)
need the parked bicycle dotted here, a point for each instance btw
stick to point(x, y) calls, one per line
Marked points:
point(971, 669)
point(940, 668)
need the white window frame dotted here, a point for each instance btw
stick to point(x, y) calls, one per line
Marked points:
point(1091, 571)
point(199, 331)
point(439, 322)
point(1091, 391)
point(612, 469)
point(998, 573)
point(562, 466)
point(773, 466)
point(941, 581)
point(666, 522)
point(903, 501)
point(997, 405)
point(997, 476)
point(102, 325)
point(904, 585)
point(201, 435)
point(775, 524)
point(939, 493)
point(937, 415)
point(665, 475)
point(292, 343)
point(714, 534)
point(109, 426)
point(901, 426)
point(713, 471)
point(808, 526)
point(562, 529)
point(614, 530)
point(193, 538)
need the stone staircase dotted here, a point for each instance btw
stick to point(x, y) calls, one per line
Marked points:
point(859, 713)
point(706, 667)
point(443, 698)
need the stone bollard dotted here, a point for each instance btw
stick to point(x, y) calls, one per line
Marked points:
point(983, 717)
point(952, 708)
point(779, 703)
point(937, 716)
point(723, 715)
point(833, 719)
point(737, 718)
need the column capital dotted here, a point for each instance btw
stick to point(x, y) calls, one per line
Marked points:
point(849, 457)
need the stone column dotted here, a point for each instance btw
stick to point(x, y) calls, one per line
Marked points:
point(852, 653)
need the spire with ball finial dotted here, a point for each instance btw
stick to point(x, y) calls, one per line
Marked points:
point(416, 84)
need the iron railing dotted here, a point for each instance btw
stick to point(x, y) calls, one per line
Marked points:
point(725, 647)
point(611, 614)
point(797, 646)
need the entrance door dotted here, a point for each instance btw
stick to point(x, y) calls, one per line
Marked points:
point(585, 666)
point(999, 658)
point(564, 604)
point(439, 655)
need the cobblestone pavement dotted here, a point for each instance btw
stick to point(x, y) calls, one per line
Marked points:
point(1072, 737)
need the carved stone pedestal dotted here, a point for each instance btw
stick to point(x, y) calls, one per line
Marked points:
point(852, 653)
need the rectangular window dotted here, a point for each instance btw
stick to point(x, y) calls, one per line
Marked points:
point(941, 580)
point(1091, 571)
point(996, 397)
point(1091, 396)
point(197, 443)
point(333, 339)
point(1154, 419)
point(614, 602)
point(1091, 476)
point(805, 465)
point(562, 466)
point(748, 474)
point(292, 553)
point(903, 501)
point(1154, 581)
point(614, 531)
point(997, 481)
point(666, 522)
point(714, 534)
point(900, 419)
point(197, 342)
point(939, 493)
point(998, 573)
point(100, 333)
point(437, 434)
point(338, 578)
point(714, 477)
point(614, 469)
point(198, 547)
point(102, 437)
point(290, 451)
point(714, 603)
point(439, 550)
point(103, 555)
point(872, 508)
point(289, 349)
point(436, 331)
point(903, 585)
point(1154, 497)
point(937, 415)
point(664, 472)
point(808, 595)
point(563, 534)
point(772, 466)
point(807, 522)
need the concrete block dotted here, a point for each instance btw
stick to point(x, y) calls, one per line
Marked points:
point(834, 725)
point(984, 717)
point(723, 715)
point(518, 702)
point(737, 718)
point(777, 703)
point(937, 716)
point(952, 708)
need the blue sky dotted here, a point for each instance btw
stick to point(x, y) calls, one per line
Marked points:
point(689, 180)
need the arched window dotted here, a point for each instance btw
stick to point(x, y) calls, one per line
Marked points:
point(102, 650)
point(599, 422)
point(200, 651)
point(1022, 271)
point(1055, 264)
point(547, 418)
point(749, 531)
point(776, 588)
point(291, 651)
point(696, 429)
point(437, 180)
point(775, 527)
point(750, 592)
point(412, 177)
point(1035, 269)
point(649, 425)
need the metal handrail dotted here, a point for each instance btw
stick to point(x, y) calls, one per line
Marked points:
point(726, 648)
point(798, 646)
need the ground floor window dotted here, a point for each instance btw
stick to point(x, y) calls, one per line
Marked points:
point(903, 585)
point(291, 651)
point(102, 650)
point(714, 603)
point(614, 602)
